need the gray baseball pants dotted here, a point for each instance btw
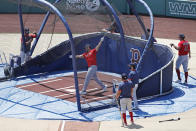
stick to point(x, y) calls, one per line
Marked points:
point(92, 74)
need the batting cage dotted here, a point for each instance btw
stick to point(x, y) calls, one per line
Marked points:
point(118, 40)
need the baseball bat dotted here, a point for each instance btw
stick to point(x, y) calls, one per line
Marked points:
point(170, 120)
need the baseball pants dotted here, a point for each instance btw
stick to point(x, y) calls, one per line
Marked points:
point(92, 74)
point(184, 61)
point(135, 96)
point(22, 56)
point(126, 103)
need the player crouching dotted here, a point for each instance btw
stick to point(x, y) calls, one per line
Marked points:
point(124, 93)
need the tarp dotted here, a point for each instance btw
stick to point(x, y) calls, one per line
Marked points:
point(18, 103)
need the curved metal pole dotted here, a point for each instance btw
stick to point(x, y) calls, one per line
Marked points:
point(138, 17)
point(21, 25)
point(40, 30)
point(150, 36)
point(39, 33)
point(117, 20)
point(119, 25)
point(56, 11)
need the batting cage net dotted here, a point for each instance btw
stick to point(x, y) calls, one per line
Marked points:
point(83, 16)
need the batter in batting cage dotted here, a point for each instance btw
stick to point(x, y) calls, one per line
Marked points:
point(90, 57)
point(96, 28)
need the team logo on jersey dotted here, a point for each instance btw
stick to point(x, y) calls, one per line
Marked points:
point(135, 57)
point(92, 5)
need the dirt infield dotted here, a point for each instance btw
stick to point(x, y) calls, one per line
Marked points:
point(63, 87)
point(167, 28)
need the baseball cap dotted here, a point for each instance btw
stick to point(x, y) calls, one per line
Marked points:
point(124, 76)
point(181, 36)
point(26, 30)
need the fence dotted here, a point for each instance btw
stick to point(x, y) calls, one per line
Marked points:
point(171, 8)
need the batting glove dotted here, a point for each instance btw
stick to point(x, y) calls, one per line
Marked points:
point(171, 44)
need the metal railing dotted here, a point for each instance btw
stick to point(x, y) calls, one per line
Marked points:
point(161, 74)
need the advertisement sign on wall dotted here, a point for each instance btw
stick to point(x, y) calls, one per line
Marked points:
point(183, 9)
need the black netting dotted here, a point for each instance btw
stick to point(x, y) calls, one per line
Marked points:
point(82, 16)
point(129, 22)
point(33, 15)
point(85, 16)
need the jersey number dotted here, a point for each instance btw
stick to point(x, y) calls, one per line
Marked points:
point(186, 48)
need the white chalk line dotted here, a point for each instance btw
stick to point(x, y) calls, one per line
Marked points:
point(58, 89)
point(39, 83)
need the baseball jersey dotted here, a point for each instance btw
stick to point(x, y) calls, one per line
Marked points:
point(184, 48)
point(27, 38)
point(90, 57)
point(125, 88)
point(134, 77)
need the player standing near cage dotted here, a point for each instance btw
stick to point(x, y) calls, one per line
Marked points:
point(134, 77)
point(90, 57)
point(145, 38)
point(125, 94)
point(112, 29)
point(184, 53)
point(25, 50)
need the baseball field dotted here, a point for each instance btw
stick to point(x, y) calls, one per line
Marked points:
point(166, 32)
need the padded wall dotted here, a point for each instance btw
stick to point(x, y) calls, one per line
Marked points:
point(113, 56)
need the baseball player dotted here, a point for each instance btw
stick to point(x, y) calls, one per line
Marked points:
point(112, 29)
point(25, 50)
point(184, 54)
point(144, 37)
point(90, 57)
point(134, 77)
point(125, 94)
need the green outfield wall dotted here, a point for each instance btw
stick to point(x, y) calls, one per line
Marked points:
point(182, 9)
point(157, 6)
point(171, 8)
point(8, 7)
point(120, 5)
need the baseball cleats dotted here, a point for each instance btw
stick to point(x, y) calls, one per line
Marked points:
point(185, 82)
point(178, 81)
point(125, 125)
point(135, 109)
